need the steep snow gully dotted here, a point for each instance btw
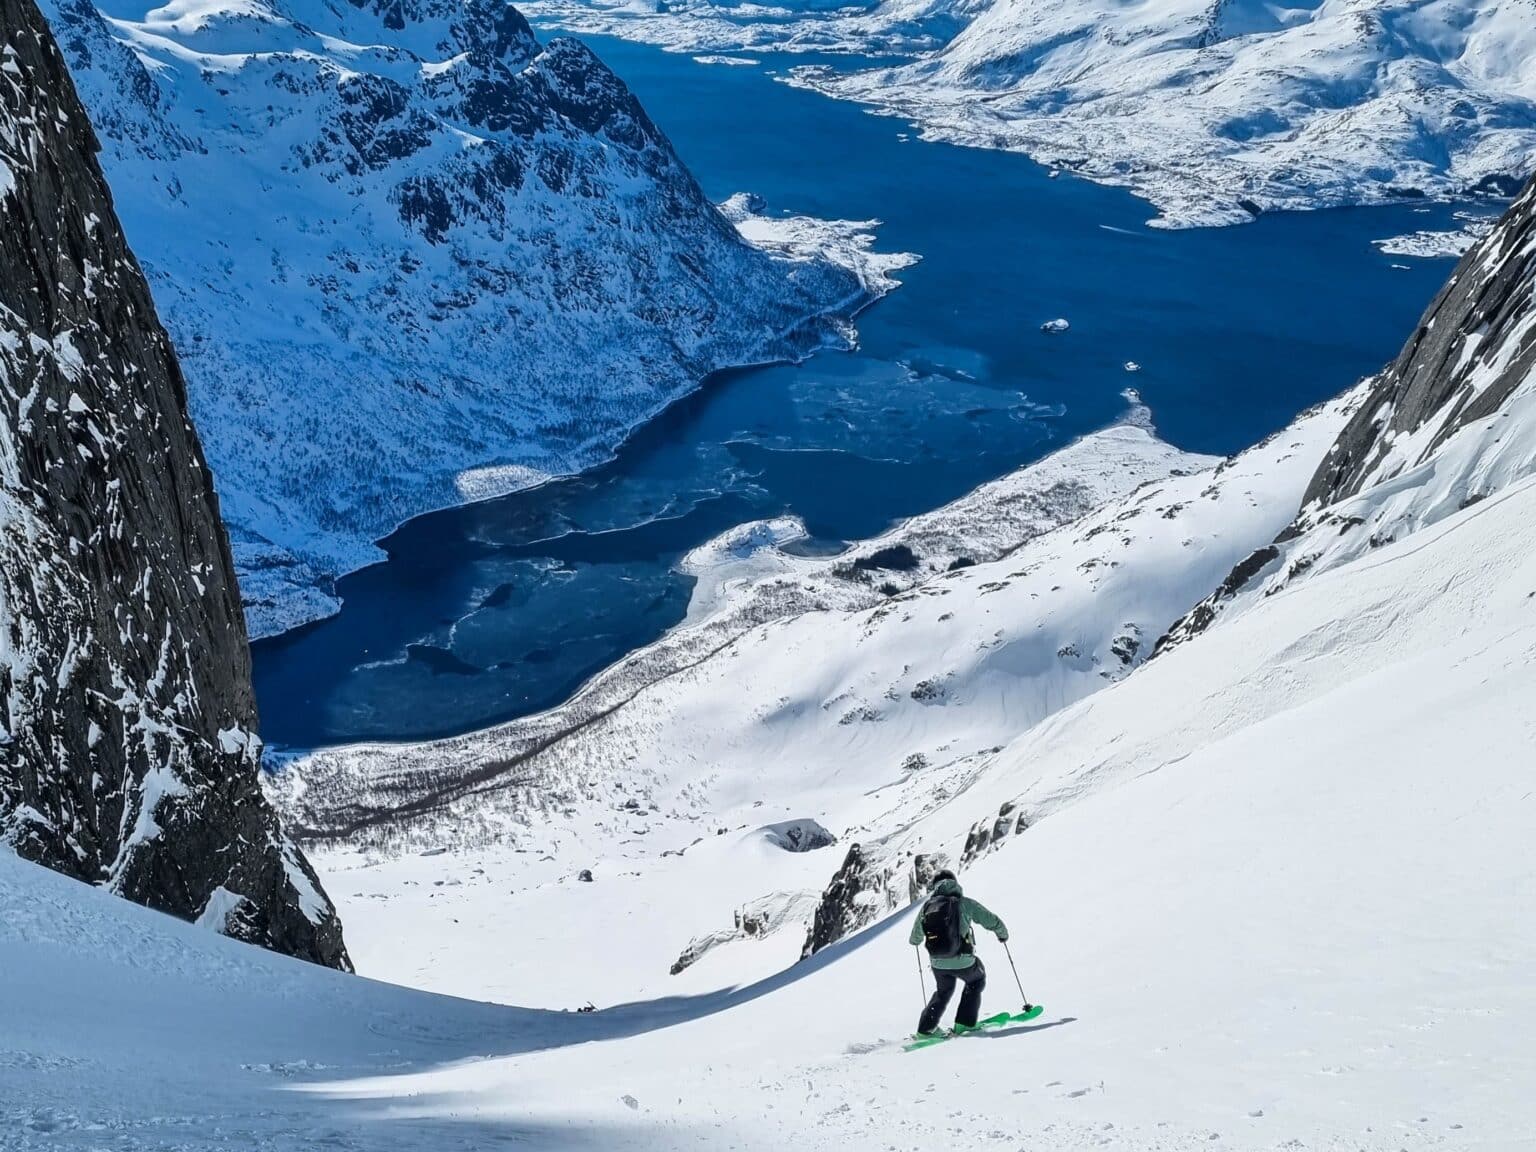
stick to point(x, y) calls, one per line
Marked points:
point(1276, 886)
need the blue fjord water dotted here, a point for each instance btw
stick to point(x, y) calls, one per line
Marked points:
point(504, 608)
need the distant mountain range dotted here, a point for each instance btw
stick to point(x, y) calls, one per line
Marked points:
point(1213, 109)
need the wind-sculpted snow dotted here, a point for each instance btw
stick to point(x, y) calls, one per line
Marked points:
point(410, 256)
point(1450, 423)
point(1212, 110)
point(128, 754)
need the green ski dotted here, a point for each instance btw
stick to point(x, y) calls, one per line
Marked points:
point(1001, 1020)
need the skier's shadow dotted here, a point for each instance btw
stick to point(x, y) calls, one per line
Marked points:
point(1021, 1029)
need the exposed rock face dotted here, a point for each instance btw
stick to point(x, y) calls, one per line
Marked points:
point(988, 834)
point(492, 262)
point(127, 748)
point(1474, 346)
point(871, 882)
point(799, 835)
point(848, 903)
point(925, 866)
point(1451, 422)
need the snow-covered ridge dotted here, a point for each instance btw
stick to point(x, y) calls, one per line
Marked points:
point(1213, 111)
point(128, 754)
point(1450, 423)
point(410, 256)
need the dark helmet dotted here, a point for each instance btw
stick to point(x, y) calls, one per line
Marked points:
point(940, 876)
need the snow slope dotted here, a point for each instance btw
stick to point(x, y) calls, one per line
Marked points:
point(489, 784)
point(966, 712)
point(1211, 110)
point(1282, 896)
point(801, 691)
point(1450, 423)
point(410, 256)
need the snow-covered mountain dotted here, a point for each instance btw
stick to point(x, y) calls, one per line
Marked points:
point(1212, 109)
point(1275, 888)
point(1450, 423)
point(128, 754)
point(410, 256)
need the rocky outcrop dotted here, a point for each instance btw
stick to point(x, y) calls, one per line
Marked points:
point(1451, 422)
point(870, 882)
point(989, 833)
point(1474, 346)
point(848, 902)
point(128, 754)
point(756, 920)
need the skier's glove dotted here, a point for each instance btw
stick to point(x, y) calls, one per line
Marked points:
point(1002, 935)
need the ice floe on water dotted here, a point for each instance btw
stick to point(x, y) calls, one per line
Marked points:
point(849, 243)
point(736, 61)
point(1429, 243)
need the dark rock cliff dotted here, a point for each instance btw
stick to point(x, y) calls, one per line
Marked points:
point(1472, 348)
point(128, 754)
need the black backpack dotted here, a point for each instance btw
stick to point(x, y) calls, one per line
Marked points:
point(943, 935)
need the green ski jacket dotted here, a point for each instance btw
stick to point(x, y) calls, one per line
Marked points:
point(971, 912)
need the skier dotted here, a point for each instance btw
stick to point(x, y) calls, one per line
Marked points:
point(944, 926)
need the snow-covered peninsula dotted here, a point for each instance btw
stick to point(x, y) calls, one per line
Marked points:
point(1212, 111)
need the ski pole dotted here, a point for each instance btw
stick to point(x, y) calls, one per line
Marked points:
point(921, 983)
point(1015, 967)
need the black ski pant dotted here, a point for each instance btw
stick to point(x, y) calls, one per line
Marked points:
point(974, 978)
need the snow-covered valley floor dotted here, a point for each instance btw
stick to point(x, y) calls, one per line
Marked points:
point(1283, 897)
